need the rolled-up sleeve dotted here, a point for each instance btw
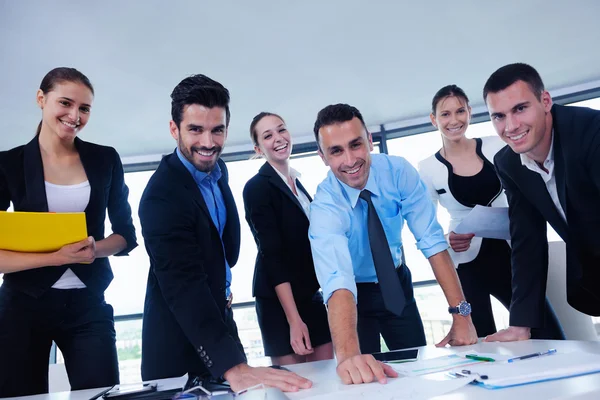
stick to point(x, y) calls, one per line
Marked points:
point(119, 210)
point(419, 211)
point(329, 244)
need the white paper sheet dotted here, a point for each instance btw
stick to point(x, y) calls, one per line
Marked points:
point(486, 222)
point(410, 388)
point(433, 365)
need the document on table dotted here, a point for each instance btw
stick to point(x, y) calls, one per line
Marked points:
point(538, 369)
point(486, 222)
point(433, 365)
point(409, 388)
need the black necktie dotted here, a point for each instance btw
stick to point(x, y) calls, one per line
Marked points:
point(391, 290)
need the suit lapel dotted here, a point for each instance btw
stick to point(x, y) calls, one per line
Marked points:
point(303, 190)
point(560, 171)
point(189, 183)
point(95, 175)
point(231, 232)
point(535, 189)
point(276, 181)
point(34, 178)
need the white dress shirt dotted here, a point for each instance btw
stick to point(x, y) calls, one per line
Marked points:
point(304, 202)
point(68, 198)
point(548, 177)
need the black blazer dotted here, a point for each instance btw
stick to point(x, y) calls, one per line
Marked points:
point(280, 229)
point(577, 170)
point(22, 182)
point(184, 312)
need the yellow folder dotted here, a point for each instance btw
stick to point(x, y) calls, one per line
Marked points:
point(40, 232)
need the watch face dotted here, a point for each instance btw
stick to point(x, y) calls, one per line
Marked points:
point(464, 308)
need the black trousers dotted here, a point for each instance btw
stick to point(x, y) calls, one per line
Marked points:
point(374, 319)
point(79, 321)
point(490, 274)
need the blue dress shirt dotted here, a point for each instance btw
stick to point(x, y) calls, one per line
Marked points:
point(338, 223)
point(209, 188)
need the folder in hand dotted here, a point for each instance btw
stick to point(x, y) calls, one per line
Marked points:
point(40, 232)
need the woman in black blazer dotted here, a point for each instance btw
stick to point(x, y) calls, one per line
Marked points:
point(59, 296)
point(289, 305)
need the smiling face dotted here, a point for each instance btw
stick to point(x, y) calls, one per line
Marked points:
point(273, 139)
point(452, 117)
point(522, 120)
point(201, 135)
point(65, 109)
point(346, 148)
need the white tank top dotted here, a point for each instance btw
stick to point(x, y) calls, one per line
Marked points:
point(68, 198)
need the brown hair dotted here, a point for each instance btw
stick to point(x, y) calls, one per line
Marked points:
point(256, 120)
point(448, 91)
point(60, 75)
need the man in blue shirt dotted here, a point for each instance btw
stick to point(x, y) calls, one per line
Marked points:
point(191, 231)
point(356, 220)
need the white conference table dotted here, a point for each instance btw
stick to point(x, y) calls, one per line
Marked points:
point(325, 380)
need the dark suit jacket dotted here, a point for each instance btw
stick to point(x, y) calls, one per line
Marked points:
point(577, 170)
point(280, 229)
point(22, 182)
point(184, 312)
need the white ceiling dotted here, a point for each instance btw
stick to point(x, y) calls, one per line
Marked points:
point(387, 58)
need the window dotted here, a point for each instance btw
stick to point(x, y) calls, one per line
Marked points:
point(127, 291)
point(414, 149)
point(432, 303)
point(595, 104)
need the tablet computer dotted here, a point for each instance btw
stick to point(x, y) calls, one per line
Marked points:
point(397, 356)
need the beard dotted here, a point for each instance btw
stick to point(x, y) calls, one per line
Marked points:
point(202, 166)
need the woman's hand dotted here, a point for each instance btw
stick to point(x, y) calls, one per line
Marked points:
point(460, 242)
point(83, 252)
point(299, 338)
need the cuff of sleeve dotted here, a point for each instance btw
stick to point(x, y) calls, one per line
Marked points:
point(131, 244)
point(433, 250)
point(229, 355)
point(337, 284)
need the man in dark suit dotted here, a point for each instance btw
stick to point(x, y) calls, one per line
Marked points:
point(191, 230)
point(551, 173)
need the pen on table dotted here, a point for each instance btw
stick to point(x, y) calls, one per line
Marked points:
point(102, 393)
point(532, 355)
point(479, 358)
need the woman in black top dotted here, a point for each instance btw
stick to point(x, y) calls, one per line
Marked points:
point(59, 296)
point(289, 305)
point(459, 176)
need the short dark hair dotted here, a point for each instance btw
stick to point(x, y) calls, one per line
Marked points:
point(336, 114)
point(511, 73)
point(447, 91)
point(256, 120)
point(198, 89)
point(60, 75)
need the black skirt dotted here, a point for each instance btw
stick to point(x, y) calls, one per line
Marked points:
point(275, 329)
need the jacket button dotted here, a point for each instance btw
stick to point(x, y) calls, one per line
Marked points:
point(199, 349)
point(209, 364)
point(202, 353)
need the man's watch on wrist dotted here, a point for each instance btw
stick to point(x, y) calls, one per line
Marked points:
point(463, 308)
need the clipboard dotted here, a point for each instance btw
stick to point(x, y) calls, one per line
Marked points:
point(40, 232)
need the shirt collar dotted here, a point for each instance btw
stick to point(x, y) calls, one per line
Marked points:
point(199, 176)
point(293, 174)
point(528, 162)
point(352, 193)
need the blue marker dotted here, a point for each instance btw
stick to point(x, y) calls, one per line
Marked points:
point(532, 355)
